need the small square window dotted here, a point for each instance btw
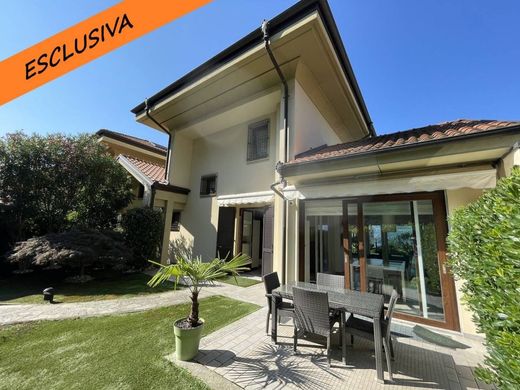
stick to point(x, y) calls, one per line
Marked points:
point(208, 185)
point(258, 141)
point(176, 221)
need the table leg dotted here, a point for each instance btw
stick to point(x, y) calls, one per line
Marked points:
point(274, 316)
point(379, 350)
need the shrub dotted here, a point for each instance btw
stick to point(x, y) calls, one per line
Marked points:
point(142, 231)
point(74, 250)
point(56, 182)
point(484, 245)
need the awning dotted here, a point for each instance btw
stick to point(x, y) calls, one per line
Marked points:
point(262, 198)
point(448, 181)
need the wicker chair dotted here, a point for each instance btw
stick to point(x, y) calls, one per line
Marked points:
point(311, 316)
point(334, 281)
point(365, 329)
point(329, 280)
point(284, 309)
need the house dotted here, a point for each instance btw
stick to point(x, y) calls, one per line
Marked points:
point(145, 161)
point(274, 141)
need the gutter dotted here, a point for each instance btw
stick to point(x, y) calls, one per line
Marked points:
point(267, 44)
point(277, 24)
point(170, 138)
point(318, 165)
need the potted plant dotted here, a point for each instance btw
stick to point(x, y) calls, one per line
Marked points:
point(196, 273)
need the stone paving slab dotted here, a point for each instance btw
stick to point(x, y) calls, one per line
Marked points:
point(19, 313)
point(254, 362)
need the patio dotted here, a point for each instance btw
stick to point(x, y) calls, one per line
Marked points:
point(243, 354)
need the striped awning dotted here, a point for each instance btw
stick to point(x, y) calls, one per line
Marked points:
point(260, 198)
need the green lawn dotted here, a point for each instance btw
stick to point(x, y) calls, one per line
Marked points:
point(27, 288)
point(122, 351)
point(240, 281)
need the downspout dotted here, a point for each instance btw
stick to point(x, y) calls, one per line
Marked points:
point(265, 25)
point(171, 138)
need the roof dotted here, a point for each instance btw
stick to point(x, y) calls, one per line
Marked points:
point(154, 172)
point(135, 141)
point(446, 131)
point(276, 24)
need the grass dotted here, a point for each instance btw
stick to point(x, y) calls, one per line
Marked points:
point(240, 281)
point(122, 351)
point(27, 288)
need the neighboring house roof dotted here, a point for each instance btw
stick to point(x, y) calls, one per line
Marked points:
point(135, 141)
point(276, 25)
point(445, 131)
point(149, 174)
point(154, 172)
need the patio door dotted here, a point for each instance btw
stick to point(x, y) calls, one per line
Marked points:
point(398, 242)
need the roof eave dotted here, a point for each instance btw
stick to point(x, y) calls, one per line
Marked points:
point(277, 24)
point(301, 168)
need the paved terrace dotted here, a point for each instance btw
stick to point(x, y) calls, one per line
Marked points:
point(242, 355)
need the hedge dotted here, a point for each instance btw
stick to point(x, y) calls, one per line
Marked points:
point(484, 245)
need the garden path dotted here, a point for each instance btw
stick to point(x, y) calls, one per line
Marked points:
point(19, 313)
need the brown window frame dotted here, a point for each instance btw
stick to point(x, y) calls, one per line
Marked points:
point(451, 320)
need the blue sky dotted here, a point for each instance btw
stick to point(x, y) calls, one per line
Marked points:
point(417, 62)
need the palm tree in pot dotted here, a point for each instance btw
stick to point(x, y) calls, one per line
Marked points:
point(196, 274)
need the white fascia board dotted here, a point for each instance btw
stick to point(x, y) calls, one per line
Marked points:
point(136, 173)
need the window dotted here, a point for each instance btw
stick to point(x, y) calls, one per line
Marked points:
point(176, 221)
point(208, 185)
point(258, 141)
point(140, 192)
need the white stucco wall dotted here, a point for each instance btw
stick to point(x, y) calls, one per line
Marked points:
point(310, 129)
point(454, 200)
point(224, 154)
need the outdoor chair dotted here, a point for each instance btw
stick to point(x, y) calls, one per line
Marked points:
point(284, 309)
point(365, 329)
point(334, 281)
point(311, 316)
point(329, 280)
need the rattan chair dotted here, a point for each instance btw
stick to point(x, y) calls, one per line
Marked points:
point(329, 280)
point(311, 316)
point(284, 309)
point(365, 329)
point(334, 281)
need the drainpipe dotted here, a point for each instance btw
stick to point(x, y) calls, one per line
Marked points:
point(265, 25)
point(171, 138)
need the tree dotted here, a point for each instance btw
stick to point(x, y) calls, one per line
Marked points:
point(198, 274)
point(484, 244)
point(75, 250)
point(142, 230)
point(57, 182)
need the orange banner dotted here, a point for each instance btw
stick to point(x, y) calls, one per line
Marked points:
point(87, 41)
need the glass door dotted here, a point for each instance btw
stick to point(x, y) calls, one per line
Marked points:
point(398, 242)
point(401, 254)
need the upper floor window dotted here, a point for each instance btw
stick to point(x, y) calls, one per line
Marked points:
point(258, 141)
point(208, 185)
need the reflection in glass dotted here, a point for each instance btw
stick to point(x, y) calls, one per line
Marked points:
point(401, 253)
point(324, 237)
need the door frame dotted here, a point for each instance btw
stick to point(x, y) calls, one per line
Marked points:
point(448, 291)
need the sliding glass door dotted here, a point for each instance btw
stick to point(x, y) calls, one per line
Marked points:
point(384, 243)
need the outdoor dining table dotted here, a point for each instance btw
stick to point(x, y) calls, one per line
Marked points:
point(348, 301)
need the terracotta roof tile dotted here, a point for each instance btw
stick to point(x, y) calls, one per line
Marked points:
point(452, 129)
point(153, 171)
